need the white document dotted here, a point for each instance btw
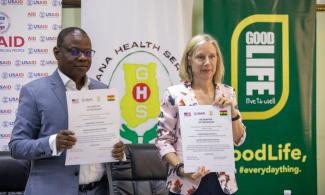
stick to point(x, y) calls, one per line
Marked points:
point(94, 116)
point(207, 138)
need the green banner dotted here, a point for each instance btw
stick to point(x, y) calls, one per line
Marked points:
point(269, 51)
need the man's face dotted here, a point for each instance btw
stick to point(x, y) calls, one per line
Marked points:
point(72, 65)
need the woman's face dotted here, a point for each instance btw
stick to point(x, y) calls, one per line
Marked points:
point(204, 62)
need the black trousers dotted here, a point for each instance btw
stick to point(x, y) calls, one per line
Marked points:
point(209, 186)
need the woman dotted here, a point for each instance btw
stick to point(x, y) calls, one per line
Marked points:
point(201, 73)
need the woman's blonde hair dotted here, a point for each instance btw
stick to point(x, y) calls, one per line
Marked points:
point(185, 70)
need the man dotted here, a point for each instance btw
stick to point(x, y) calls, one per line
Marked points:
point(41, 134)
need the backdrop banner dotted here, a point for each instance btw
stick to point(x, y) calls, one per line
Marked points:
point(269, 50)
point(138, 46)
point(28, 33)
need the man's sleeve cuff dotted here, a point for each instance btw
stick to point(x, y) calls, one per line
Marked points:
point(52, 143)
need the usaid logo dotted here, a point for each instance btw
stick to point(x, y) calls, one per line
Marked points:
point(49, 14)
point(87, 99)
point(37, 26)
point(18, 87)
point(48, 62)
point(12, 41)
point(199, 113)
point(5, 62)
point(56, 27)
point(5, 87)
point(4, 135)
point(31, 38)
point(36, 2)
point(47, 38)
point(8, 100)
point(5, 111)
point(56, 3)
point(33, 75)
point(6, 124)
point(12, 2)
point(4, 22)
point(31, 14)
point(12, 75)
point(25, 62)
point(37, 51)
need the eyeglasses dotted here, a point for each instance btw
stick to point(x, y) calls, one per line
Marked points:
point(77, 52)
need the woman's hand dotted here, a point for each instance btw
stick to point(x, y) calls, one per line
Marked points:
point(118, 150)
point(202, 171)
point(238, 128)
point(223, 101)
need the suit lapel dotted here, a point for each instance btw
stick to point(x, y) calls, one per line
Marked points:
point(59, 90)
point(92, 85)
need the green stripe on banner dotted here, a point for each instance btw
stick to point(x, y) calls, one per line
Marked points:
point(269, 51)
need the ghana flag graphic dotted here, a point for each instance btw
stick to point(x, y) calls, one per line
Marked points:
point(223, 113)
point(110, 97)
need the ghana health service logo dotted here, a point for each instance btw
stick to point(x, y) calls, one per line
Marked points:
point(141, 73)
point(260, 65)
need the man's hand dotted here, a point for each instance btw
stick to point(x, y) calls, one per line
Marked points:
point(118, 151)
point(65, 139)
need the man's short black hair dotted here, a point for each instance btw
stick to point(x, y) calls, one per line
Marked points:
point(65, 32)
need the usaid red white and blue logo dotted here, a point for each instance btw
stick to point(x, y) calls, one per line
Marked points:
point(47, 38)
point(7, 124)
point(12, 75)
point(18, 87)
point(56, 3)
point(5, 87)
point(38, 51)
point(37, 26)
point(56, 27)
point(31, 38)
point(8, 100)
point(49, 14)
point(25, 62)
point(5, 111)
point(36, 2)
point(35, 75)
point(12, 2)
point(5, 62)
point(31, 14)
point(4, 22)
point(48, 62)
point(5, 135)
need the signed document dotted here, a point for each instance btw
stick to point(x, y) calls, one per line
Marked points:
point(94, 116)
point(207, 138)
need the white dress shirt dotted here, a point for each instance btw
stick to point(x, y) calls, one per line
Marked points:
point(88, 173)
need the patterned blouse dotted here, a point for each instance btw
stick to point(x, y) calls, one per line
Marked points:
point(169, 136)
